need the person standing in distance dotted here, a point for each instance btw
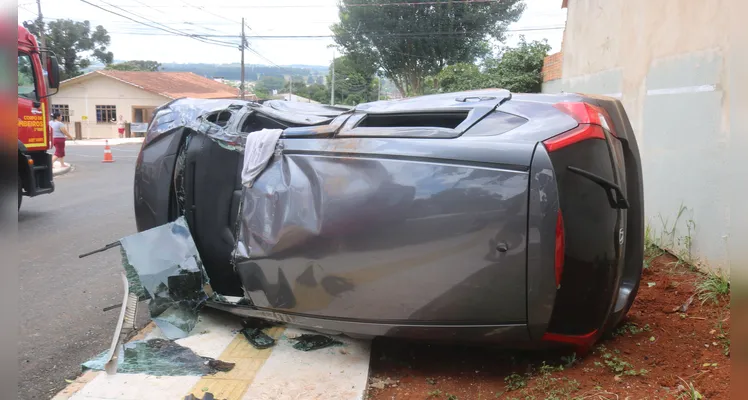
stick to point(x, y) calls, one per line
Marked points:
point(59, 135)
point(121, 126)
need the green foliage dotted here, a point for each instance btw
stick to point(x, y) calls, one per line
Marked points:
point(517, 70)
point(689, 392)
point(410, 43)
point(515, 382)
point(618, 365)
point(631, 328)
point(354, 80)
point(461, 76)
point(135, 65)
point(713, 287)
point(75, 44)
point(265, 86)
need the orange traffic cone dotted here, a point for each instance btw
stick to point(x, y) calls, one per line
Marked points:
point(107, 153)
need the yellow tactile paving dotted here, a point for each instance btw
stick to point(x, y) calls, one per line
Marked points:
point(248, 360)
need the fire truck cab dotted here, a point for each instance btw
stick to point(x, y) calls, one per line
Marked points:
point(34, 138)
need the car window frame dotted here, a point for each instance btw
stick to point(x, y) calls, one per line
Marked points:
point(33, 76)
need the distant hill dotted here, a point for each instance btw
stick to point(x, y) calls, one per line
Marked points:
point(252, 72)
point(232, 71)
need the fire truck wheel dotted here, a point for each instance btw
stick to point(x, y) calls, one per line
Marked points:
point(20, 192)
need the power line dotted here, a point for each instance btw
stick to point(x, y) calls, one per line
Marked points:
point(201, 8)
point(424, 3)
point(158, 23)
point(170, 30)
point(404, 34)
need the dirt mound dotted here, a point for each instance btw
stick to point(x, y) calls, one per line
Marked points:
point(672, 344)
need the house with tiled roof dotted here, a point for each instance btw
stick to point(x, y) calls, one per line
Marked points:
point(93, 103)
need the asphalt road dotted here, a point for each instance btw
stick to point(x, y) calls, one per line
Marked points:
point(61, 297)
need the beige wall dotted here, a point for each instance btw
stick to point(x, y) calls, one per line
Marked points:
point(667, 61)
point(84, 94)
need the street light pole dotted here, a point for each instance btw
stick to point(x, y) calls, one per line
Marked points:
point(332, 90)
point(241, 86)
point(42, 38)
point(379, 88)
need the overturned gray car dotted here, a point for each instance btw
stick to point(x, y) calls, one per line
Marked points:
point(480, 216)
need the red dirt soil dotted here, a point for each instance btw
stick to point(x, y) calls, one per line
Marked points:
point(676, 349)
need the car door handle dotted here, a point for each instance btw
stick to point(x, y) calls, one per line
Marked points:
point(617, 201)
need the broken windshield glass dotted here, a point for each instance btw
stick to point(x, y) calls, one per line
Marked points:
point(162, 264)
point(159, 357)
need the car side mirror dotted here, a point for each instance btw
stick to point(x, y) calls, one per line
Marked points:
point(53, 72)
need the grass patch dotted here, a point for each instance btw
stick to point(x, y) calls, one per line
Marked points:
point(713, 287)
point(689, 392)
point(632, 329)
point(544, 386)
point(723, 336)
point(617, 365)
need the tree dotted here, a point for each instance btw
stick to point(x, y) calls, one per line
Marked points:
point(264, 87)
point(136, 65)
point(519, 68)
point(354, 80)
point(412, 41)
point(461, 76)
point(75, 44)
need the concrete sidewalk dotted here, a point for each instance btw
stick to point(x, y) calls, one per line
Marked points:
point(102, 142)
point(57, 169)
point(278, 373)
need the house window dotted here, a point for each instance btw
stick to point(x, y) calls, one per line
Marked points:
point(64, 111)
point(106, 114)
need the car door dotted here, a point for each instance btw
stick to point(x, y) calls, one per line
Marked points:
point(32, 118)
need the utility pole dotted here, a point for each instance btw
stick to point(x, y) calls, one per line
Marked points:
point(332, 90)
point(41, 33)
point(241, 86)
point(379, 88)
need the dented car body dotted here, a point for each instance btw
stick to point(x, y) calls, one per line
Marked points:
point(481, 216)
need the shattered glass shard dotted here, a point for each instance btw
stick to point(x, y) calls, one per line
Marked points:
point(308, 342)
point(257, 338)
point(163, 264)
point(159, 357)
point(253, 331)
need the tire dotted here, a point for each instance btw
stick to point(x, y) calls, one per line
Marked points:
point(20, 191)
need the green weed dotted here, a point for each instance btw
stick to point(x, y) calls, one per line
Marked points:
point(631, 328)
point(714, 286)
point(569, 361)
point(617, 365)
point(723, 336)
point(690, 393)
point(515, 382)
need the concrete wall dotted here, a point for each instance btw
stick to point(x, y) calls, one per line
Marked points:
point(84, 94)
point(666, 60)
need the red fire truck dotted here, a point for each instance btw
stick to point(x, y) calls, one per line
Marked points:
point(34, 137)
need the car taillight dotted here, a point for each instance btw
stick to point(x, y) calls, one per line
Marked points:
point(559, 253)
point(586, 113)
point(581, 132)
point(591, 119)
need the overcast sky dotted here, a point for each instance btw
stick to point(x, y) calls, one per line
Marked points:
point(131, 40)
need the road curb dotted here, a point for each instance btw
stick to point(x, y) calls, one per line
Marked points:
point(62, 171)
point(102, 142)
